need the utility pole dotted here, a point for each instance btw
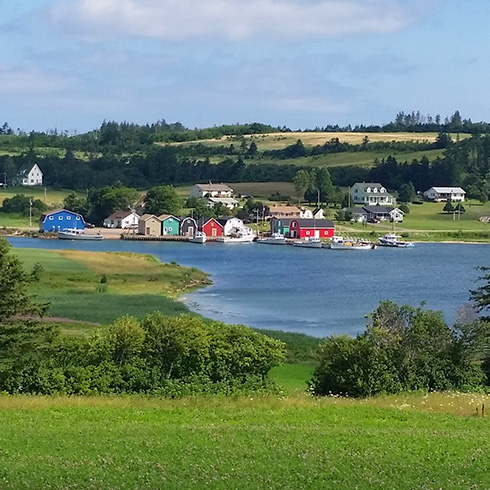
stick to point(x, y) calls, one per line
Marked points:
point(30, 213)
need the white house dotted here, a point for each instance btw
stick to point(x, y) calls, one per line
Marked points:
point(234, 226)
point(122, 219)
point(211, 190)
point(229, 202)
point(384, 213)
point(30, 175)
point(437, 194)
point(370, 194)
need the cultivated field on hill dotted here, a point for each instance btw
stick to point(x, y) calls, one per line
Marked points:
point(275, 141)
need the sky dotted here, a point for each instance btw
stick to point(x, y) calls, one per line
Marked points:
point(71, 64)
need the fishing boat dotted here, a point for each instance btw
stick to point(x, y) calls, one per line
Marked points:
point(198, 237)
point(308, 242)
point(274, 239)
point(392, 240)
point(341, 243)
point(240, 238)
point(74, 234)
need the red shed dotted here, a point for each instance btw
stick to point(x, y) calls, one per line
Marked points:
point(303, 228)
point(210, 226)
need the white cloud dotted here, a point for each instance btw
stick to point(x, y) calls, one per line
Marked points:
point(230, 19)
point(31, 81)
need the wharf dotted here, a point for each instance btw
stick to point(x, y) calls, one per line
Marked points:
point(166, 238)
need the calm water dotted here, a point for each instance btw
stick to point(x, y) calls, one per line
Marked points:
point(318, 292)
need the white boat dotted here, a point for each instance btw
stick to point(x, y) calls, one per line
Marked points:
point(74, 234)
point(274, 239)
point(392, 240)
point(341, 243)
point(312, 242)
point(198, 237)
point(243, 238)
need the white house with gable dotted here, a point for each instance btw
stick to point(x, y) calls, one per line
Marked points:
point(370, 194)
point(437, 194)
point(30, 175)
point(122, 219)
point(211, 190)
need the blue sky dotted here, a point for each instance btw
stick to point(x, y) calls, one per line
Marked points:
point(70, 64)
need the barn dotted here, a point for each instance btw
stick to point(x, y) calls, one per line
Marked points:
point(61, 219)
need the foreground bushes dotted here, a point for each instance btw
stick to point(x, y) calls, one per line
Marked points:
point(403, 348)
point(171, 356)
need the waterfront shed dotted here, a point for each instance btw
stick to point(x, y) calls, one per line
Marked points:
point(305, 228)
point(170, 224)
point(188, 226)
point(150, 225)
point(210, 226)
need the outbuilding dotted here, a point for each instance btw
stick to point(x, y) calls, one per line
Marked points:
point(210, 226)
point(170, 224)
point(61, 219)
point(307, 228)
point(150, 225)
point(188, 226)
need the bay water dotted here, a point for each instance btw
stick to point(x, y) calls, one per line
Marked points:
point(314, 291)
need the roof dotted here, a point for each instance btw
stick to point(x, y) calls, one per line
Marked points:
point(284, 210)
point(25, 169)
point(365, 185)
point(204, 219)
point(163, 217)
point(446, 190)
point(381, 209)
point(314, 223)
point(356, 210)
point(224, 200)
point(119, 214)
point(146, 217)
point(214, 187)
point(56, 211)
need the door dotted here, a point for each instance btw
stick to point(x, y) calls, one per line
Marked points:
point(190, 231)
point(214, 232)
point(317, 233)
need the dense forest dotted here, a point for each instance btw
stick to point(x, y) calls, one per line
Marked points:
point(127, 153)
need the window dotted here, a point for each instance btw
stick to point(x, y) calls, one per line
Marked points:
point(51, 217)
point(68, 217)
point(60, 218)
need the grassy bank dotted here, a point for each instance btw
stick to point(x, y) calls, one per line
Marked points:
point(271, 442)
point(101, 286)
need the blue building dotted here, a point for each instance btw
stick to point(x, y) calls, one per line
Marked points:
point(61, 219)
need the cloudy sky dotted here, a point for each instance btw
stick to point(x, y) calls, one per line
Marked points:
point(70, 64)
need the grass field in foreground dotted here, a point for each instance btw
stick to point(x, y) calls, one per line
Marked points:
point(250, 442)
point(135, 283)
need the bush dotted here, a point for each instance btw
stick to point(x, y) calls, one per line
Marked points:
point(403, 348)
point(171, 356)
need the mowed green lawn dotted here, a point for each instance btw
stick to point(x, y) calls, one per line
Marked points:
point(135, 284)
point(430, 216)
point(250, 442)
